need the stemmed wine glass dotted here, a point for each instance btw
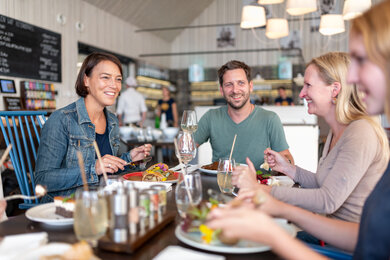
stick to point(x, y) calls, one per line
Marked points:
point(189, 123)
point(186, 147)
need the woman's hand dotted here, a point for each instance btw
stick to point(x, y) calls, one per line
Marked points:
point(140, 152)
point(243, 222)
point(269, 204)
point(111, 164)
point(279, 163)
point(244, 177)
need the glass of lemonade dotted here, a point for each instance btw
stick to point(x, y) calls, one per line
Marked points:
point(224, 175)
point(190, 185)
point(91, 215)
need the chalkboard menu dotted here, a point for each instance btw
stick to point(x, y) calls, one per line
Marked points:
point(13, 103)
point(28, 51)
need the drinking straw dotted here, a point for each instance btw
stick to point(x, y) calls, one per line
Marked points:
point(83, 175)
point(100, 161)
point(230, 159)
point(5, 154)
point(183, 171)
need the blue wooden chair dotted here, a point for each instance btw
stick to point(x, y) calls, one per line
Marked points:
point(22, 129)
point(332, 253)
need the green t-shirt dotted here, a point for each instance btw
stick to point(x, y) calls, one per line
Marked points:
point(261, 129)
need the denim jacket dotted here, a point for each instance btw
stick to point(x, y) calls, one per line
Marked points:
point(68, 130)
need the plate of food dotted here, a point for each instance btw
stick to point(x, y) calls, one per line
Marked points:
point(266, 177)
point(158, 172)
point(212, 168)
point(57, 213)
point(193, 233)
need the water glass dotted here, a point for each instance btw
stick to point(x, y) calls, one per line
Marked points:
point(188, 192)
point(186, 147)
point(224, 175)
point(189, 121)
point(90, 215)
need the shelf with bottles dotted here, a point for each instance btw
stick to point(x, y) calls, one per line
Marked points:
point(38, 95)
point(151, 89)
point(204, 93)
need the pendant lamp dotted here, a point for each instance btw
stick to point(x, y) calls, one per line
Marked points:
point(354, 8)
point(270, 2)
point(331, 24)
point(276, 28)
point(252, 16)
point(301, 7)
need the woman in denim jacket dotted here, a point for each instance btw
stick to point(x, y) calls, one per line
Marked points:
point(76, 126)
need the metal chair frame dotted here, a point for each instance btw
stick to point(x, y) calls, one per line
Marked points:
point(20, 153)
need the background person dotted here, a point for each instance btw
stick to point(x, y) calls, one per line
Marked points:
point(282, 99)
point(370, 52)
point(131, 105)
point(76, 126)
point(256, 128)
point(168, 106)
point(350, 165)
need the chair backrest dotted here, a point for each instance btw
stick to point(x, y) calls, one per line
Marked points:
point(22, 130)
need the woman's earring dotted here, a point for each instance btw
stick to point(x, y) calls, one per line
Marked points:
point(334, 100)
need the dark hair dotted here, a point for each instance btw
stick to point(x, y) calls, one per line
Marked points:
point(281, 87)
point(89, 64)
point(233, 65)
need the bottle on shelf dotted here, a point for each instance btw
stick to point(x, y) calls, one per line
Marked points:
point(157, 122)
point(163, 123)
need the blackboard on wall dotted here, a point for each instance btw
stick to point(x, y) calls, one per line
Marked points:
point(13, 103)
point(29, 51)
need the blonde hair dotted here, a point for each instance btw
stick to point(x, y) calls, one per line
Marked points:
point(374, 27)
point(332, 67)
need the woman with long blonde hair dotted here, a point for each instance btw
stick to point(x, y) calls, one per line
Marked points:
point(370, 52)
point(350, 165)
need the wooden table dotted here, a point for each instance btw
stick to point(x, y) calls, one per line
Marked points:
point(20, 224)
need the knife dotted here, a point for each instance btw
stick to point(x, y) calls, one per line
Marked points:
point(136, 163)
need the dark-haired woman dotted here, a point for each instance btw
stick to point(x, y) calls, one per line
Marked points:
point(76, 126)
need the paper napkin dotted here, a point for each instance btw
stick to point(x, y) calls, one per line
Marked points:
point(12, 246)
point(177, 252)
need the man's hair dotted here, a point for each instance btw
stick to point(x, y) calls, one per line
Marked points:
point(281, 87)
point(233, 65)
point(89, 64)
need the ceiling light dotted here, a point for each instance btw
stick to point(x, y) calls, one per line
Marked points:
point(252, 16)
point(270, 2)
point(301, 7)
point(331, 24)
point(276, 28)
point(354, 8)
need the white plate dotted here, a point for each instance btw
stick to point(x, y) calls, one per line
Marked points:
point(215, 171)
point(285, 181)
point(45, 213)
point(46, 250)
point(243, 247)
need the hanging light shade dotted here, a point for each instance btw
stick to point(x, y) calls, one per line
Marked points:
point(252, 16)
point(276, 28)
point(331, 24)
point(354, 8)
point(270, 2)
point(301, 7)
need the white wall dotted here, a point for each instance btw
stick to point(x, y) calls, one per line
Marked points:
point(102, 30)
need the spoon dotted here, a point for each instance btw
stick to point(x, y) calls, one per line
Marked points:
point(39, 191)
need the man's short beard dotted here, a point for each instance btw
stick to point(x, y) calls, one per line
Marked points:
point(232, 105)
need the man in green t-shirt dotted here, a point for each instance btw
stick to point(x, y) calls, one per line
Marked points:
point(256, 128)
